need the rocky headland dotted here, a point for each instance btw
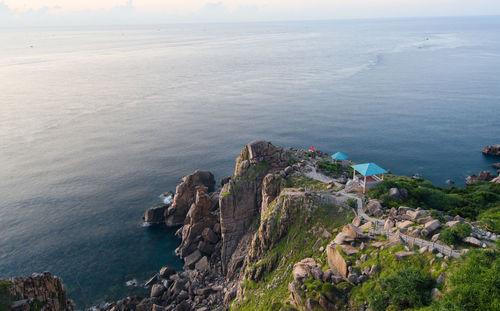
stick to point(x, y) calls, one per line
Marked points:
point(287, 231)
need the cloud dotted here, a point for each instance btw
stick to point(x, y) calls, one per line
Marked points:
point(99, 12)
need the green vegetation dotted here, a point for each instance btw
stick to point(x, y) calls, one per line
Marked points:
point(467, 202)
point(402, 289)
point(295, 245)
point(352, 203)
point(5, 298)
point(491, 219)
point(330, 167)
point(474, 283)
point(455, 234)
point(255, 171)
point(305, 182)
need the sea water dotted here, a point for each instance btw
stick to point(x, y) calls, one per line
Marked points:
point(96, 123)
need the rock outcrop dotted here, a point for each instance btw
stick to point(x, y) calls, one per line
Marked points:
point(197, 232)
point(241, 197)
point(482, 176)
point(335, 259)
point(185, 194)
point(492, 150)
point(41, 291)
point(155, 214)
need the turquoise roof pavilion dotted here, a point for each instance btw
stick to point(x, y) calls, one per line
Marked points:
point(369, 169)
point(339, 156)
point(369, 172)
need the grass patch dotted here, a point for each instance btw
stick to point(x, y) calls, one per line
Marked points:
point(295, 245)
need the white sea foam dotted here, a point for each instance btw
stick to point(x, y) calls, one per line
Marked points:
point(145, 224)
point(166, 199)
point(132, 282)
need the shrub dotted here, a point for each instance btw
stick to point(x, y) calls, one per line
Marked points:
point(491, 219)
point(352, 203)
point(475, 283)
point(402, 289)
point(455, 234)
point(330, 167)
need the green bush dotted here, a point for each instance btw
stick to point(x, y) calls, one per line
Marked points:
point(474, 284)
point(402, 289)
point(467, 202)
point(455, 234)
point(352, 203)
point(330, 167)
point(491, 219)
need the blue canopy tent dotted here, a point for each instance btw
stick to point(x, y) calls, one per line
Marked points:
point(370, 170)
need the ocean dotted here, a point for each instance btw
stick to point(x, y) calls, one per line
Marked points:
point(97, 122)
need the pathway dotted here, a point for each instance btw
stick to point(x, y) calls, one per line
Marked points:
point(379, 223)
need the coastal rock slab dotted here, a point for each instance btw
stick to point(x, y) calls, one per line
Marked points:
point(155, 214)
point(185, 195)
point(335, 260)
point(492, 150)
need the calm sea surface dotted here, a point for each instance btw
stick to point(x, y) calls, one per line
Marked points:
point(95, 123)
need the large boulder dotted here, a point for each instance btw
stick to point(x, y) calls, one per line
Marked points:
point(430, 227)
point(185, 195)
point(307, 268)
point(155, 214)
point(353, 232)
point(394, 193)
point(374, 208)
point(492, 150)
point(335, 260)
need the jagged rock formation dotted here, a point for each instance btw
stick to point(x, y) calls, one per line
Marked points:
point(185, 194)
point(199, 226)
point(492, 150)
point(241, 197)
point(482, 176)
point(37, 292)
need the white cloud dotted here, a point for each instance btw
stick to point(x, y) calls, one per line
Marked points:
point(152, 11)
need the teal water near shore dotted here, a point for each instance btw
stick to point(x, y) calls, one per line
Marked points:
point(95, 123)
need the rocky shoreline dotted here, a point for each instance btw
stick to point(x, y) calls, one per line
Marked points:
point(228, 233)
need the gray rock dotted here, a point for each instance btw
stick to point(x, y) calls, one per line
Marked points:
point(394, 192)
point(374, 208)
point(202, 264)
point(191, 260)
point(435, 294)
point(402, 254)
point(209, 236)
point(430, 227)
point(155, 214)
point(157, 290)
point(165, 272)
point(472, 241)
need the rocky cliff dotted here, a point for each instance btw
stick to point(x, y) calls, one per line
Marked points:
point(277, 235)
point(37, 292)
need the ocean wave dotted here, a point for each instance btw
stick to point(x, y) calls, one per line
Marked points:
point(167, 198)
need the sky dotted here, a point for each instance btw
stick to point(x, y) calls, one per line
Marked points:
point(97, 12)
